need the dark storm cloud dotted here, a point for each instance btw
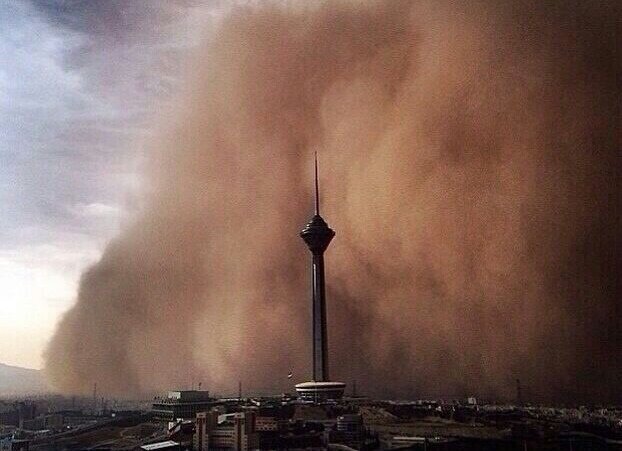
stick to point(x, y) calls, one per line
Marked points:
point(127, 49)
point(116, 19)
point(470, 166)
point(83, 80)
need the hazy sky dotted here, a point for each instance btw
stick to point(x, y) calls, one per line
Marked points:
point(468, 146)
point(78, 83)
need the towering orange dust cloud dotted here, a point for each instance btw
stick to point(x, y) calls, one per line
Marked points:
point(469, 166)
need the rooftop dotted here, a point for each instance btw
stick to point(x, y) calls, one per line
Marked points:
point(318, 384)
point(159, 445)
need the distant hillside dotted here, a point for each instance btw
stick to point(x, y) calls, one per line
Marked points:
point(16, 381)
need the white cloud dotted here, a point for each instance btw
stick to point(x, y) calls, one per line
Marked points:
point(97, 210)
point(37, 283)
point(75, 95)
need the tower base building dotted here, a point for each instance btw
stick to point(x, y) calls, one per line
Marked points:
point(320, 391)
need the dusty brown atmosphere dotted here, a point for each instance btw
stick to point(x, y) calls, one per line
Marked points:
point(469, 165)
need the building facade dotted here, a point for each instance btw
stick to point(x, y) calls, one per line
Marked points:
point(234, 431)
point(182, 404)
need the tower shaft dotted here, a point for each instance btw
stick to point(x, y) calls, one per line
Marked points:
point(320, 338)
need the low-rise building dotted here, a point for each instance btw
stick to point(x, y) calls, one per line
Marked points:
point(264, 424)
point(234, 431)
point(182, 404)
point(350, 429)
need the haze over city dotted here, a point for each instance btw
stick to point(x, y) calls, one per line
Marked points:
point(156, 167)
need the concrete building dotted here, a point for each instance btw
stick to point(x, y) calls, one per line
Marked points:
point(205, 423)
point(183, 404)
point(234, 431)
point(268, 424)
point(351, 430)
point(317, 235)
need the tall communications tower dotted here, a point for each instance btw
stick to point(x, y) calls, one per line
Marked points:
point(317, 235)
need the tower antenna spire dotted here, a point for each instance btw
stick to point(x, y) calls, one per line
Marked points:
point(317, 189)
